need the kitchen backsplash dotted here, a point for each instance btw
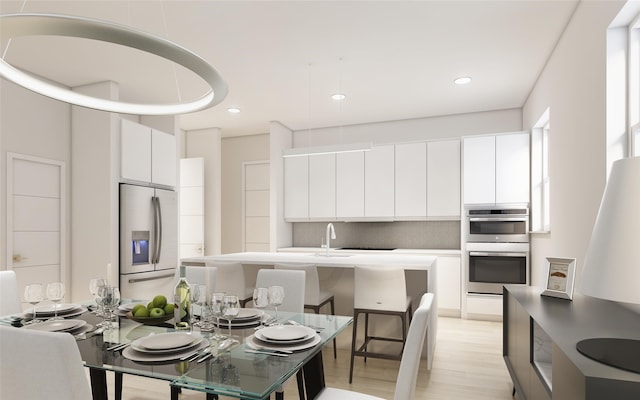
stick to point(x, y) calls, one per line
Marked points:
point(443, 235)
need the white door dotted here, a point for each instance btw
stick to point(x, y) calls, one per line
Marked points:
point(36, 219)
point(191, 207)
point(255, 234)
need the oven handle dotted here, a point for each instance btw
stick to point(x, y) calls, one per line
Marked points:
point(502, 219)
point(498, 254)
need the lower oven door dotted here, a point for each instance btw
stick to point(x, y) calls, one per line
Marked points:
point(489, 271)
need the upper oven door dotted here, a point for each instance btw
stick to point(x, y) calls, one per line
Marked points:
point(498, 229)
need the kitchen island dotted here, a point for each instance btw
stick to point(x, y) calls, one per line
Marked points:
point(420, 269)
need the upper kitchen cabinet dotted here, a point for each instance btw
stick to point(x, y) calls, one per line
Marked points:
point(379, 182)
point(296, 188)
point(322, 187)
point(411, 181)
point(443, 179)
point(147, 155)
point(350, 185)
point(496, 169)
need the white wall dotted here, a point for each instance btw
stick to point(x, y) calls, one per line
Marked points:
point(573, 86)
point(280, 137)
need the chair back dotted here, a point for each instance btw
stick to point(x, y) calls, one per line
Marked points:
point(9, 296)
point(378, 288)
point(408, 372)
point(38, 365)
point(230, 278)
point(292, 282)
point(312, 280)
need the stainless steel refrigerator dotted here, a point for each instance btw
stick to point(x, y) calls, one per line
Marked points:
point(148, 241)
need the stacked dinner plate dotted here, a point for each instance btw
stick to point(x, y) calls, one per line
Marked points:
point(49, 311)
point(246, 318)
point(284, 337)
point(165, 346)
point(72, 326)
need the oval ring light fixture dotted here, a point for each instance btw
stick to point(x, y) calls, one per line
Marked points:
point(29, 24)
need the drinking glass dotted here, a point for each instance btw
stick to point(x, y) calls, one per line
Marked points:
point(94, 284)
point(109, 298)
point(55, 293)
point(232, 308)
point(33, 294)
point(276, 297)
point(198, 297)
point(217, 309)
point(260, 298)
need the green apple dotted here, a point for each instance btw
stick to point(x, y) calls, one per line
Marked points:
point(156, 312)
point(150, 305)
point(141, 312)
point(168, 309)
point(137, 307)
point(159, 301)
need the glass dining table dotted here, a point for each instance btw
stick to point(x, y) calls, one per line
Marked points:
point(237, 371)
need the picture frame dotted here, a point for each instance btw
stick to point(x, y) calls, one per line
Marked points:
point(560, 277)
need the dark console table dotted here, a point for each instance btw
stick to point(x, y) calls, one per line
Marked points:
point(539, 346)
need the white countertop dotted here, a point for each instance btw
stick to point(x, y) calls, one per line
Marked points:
point(343, 259)
point(426, 252)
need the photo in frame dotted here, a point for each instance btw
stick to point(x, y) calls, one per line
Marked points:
point(560, 277)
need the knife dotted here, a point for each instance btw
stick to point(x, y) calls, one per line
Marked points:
point(267, 353)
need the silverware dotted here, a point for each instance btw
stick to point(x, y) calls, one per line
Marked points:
point(117, 347)
point(87, 335)
point(267, 353)
point(258, 348)
point(188, 357)
point(316, 328)
point(205, 357)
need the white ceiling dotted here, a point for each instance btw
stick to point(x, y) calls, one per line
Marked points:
point(281, 59)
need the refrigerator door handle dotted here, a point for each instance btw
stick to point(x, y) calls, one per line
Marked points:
point(158, 230)
point(135, 280)
point(156, 223)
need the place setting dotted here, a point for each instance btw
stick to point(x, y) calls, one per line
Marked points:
point(164, 347)
point(282, 339)
point(36, 293)
point(72, 326)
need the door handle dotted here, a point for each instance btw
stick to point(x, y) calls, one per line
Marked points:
point(18, 258)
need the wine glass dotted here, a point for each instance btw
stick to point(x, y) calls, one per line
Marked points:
point(109, 298)
point(232, 308)
point(276, 297)
point(216, 307)
point(55, 293)
point(94, 284)
point(198, 294)
point(260, 298)
point(33, 294)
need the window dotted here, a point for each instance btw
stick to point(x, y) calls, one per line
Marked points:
point(634, 87)
point(540, 179)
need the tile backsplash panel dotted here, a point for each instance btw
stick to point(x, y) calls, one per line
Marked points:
point(443, 235)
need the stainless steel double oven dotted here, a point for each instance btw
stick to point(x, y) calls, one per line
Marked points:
point(497, 247)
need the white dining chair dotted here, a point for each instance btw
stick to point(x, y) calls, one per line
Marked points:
point(314, 298)
point(39, 365)
point(293, 283)
point(9, 296)
point(381, 291)
point(409, 364)
point(231, 280)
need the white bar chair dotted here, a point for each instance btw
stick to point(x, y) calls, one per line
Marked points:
point(9, 296)
point(409, 364)
point(314, 298)
point(231, 280)
point(381, 291)
point(39, 365)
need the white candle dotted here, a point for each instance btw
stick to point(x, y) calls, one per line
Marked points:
point(109, 273)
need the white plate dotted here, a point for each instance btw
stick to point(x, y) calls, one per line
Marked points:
point(62, 308)
point(81, 329)
point(165, 341)
point(248, 313)
point(284, 333)
point(129, 306)
point(134, 355)
point(59, 325)
point(45, 316)
point(253, 343)
point(260, 337)
point(136, 346)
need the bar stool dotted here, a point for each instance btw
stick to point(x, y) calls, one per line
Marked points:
point(9, 297)
point(231, 280)
point(380, 291)
point(314, 298)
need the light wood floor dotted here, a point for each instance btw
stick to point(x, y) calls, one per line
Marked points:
point(468, 365)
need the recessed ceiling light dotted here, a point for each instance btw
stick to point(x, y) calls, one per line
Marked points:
point(463, 80)
point(233, 110)
point(338, 96)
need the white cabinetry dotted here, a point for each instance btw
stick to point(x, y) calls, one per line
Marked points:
point(449, 285)
point(379, 182)
point(147, 155)
point(296, 188)
point(411, 180)
point(443, 179)
point(496, 169)
point(322, 187)
point(350, 185)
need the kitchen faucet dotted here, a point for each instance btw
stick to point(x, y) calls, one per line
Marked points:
point(331, 234)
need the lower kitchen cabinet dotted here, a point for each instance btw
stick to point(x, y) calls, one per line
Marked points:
point(539, 346)
point(449, 285)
